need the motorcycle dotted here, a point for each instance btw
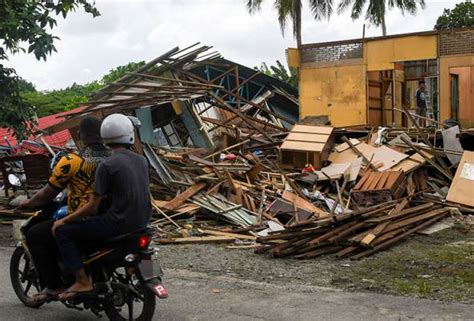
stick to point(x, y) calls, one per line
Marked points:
point(125, 271)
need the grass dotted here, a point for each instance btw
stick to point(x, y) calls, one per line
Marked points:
point(436, 267)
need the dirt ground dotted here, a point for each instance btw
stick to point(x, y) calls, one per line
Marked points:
point(437, 267)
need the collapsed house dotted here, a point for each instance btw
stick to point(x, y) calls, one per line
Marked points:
point(187, 97)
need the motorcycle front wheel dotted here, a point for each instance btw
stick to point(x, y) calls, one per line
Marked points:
point(24, 277)
point(132, 300)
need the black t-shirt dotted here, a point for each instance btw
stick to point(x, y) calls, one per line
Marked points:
point(420, 99)
point(123, 179)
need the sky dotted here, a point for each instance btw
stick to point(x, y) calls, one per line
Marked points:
point(136, 30)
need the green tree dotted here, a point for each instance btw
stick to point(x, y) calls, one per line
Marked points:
point(120, 71)
point(460, 17)
point(52, 102)
point(280, 72)
point(25, 85)
point(376, 9)
point(13, 110)
point(27, 23)
point(290, 10)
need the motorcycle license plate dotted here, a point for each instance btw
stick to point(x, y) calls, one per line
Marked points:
point(150, 268)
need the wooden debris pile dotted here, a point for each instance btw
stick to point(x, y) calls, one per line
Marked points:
point(356, 235)
point(361, 198)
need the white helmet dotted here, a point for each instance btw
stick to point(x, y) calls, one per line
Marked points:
point(117, 129)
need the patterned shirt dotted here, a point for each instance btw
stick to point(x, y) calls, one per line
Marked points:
point(77, 172)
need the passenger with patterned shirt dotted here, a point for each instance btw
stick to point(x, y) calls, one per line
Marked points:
point(76, 173)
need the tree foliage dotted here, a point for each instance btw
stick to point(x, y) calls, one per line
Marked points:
point(279, 71)
point(52, 102)
point(13, 110)
point(460, 17)
point(120, 71)
point(26, 26)
point(376, 9)
point(291, 10)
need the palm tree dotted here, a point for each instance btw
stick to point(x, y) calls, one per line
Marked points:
point(377, 9)
point(291, 10)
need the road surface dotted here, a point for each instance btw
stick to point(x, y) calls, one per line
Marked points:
point(197, 296)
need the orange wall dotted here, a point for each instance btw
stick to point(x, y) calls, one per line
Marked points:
point(447, 65)
point(466, 82)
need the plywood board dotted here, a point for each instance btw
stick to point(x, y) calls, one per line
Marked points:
point(312, 129)
point(348, 155)
point(307, 137)
point(462, 187)
point(303, 204)
point(384, 155)
point(342, 147)
point(388, 157)
point(302, 146)
point(334, 171)
point(410, 164)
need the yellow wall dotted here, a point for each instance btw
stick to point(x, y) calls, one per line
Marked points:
point(445, 63)
point(381, 54)
point(337, 91)
point(293, 57)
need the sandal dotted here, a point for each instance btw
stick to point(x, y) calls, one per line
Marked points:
point(46, 295)
point(69, 295)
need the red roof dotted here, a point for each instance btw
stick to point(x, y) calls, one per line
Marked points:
point(58, 139)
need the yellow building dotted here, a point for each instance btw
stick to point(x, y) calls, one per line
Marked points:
point(364, 81)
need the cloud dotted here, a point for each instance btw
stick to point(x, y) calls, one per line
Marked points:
point(141, 30)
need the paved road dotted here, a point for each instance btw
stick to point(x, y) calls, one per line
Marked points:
point(195, 296)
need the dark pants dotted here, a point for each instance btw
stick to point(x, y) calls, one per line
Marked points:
point(71, 236)
point(45, 253)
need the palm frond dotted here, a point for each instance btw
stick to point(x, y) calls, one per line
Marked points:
point(254, 6)
point(321, 8)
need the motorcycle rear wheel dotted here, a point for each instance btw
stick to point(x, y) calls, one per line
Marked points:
point(23, 277)
point(148, 303)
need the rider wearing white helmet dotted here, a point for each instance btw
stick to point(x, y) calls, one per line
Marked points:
point(123, 179)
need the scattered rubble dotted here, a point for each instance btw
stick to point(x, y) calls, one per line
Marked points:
point(230, 163)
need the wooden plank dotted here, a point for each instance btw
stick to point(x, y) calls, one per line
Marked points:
point(374, 233)
point(306, 137)
point(396, 215)
point(303, 204)
point(302, 146)
point(377, 176)
point(234, 235)
point(197, 240)
point(362, 181)
point(395, 239)
point(382, 181)
point(312, 129)
point(254, 171)
point(394, 176)
point(238, 195)
point(344, 146)
point(410, 164)
point(184, 196)
point(416, 219)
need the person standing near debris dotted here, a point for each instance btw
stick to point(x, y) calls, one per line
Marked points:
point(420, 96)
point(123, 179)
point(76, 173)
